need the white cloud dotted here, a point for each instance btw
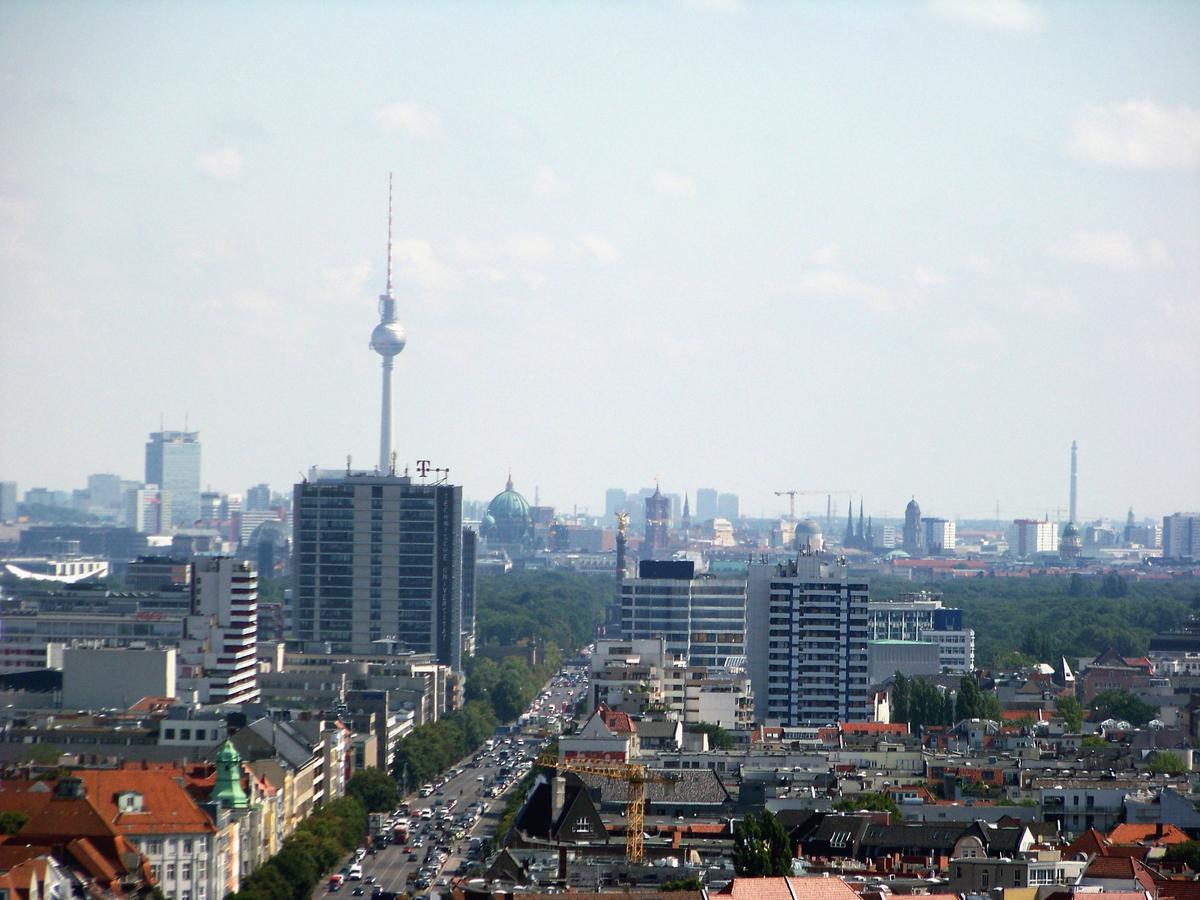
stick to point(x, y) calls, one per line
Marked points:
point(600, 247)
point(838, 285)
point(417, 263)
point(721, 6)
point(530, 247)
point(927, 277)
point(548, 183)
point(826, 255)
point(977, 262)
point(1138, 133)
point(1113, 250)
point(1157, 255)
point(970, 332)
point(673, 184)
point(15, 216)
point(222, 163)
point(998, 15)
point(410, 119)
point(345, 283)
point(1040, 301)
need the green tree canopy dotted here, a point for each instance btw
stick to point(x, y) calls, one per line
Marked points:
point(375, 789)
point(761, 846)
point(1072, 712)
point(868, 800)
point(1118, 704)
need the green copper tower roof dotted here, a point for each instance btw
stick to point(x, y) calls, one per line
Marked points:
point(228, 788)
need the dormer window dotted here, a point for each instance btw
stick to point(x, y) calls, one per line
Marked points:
point(129, 802)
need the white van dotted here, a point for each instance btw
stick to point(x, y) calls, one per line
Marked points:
point(356, 872)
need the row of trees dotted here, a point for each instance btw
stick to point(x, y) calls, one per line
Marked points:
point(318, 845)
point(509, 686)
point(920, 703)
point(560, 608)
point(433, 748)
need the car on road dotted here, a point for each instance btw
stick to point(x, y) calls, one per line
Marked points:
point(357, 892)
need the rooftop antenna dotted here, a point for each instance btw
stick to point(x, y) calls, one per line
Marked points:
point(392, 471)
point(347, 463)
point(389, 246)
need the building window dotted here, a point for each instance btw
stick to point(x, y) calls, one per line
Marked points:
point(170, 871)
point(187, 846)
point(185, 871)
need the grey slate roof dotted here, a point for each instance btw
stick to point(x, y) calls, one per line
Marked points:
point(689, 786)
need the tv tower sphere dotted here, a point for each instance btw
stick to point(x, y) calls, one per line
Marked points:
point(387, 338)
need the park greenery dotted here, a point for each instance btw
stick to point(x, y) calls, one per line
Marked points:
point(1123, 706)
point(761, 846)
point(1042, 618)
point(921, 703)
point(318, 845)
point(560, 608)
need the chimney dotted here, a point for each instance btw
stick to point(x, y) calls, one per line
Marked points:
point(1158, 829)
point(558, 796)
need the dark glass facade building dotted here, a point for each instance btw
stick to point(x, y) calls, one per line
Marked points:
point(379, 557)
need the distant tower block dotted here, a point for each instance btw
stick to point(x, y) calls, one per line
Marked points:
point(387, 340)
point(1074, 479)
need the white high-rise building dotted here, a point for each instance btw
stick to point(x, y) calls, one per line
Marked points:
point(148, 510)
point(1181, 536)
point(921, 617)
point(218, 651)
point(940, 535)
point(1031, 537)
point(806, 642)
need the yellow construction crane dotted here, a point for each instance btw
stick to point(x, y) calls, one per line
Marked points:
point(635, 776)
point(792, 495)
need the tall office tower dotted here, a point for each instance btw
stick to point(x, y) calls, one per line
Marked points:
point(806, 642)
point(375, 557)
point(104, 491)
point(1181, 536)
point(914, 534)
point(148, 510)
point(1031, 537)
point(173, 463)
point(258, 498)
point(8, 501)
point(219, 649)
point(701, 617)
point(387, 339)
point(470, 552)
point(940, 535)
point(615, 501)
point(727, 507)
point(658, 524)
point(706, 504)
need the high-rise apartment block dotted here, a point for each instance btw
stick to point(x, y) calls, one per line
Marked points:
point(940, 535)
point(1031, 537)
point(706, 504)
point(616, 500)
point(8, 501)
point(806, 642)
point(728, 507)
point(173, 463)
point(148, 510)
point(104, 491)
point(258, 498)
point(1181, 536)
point(702, 618)
point(218, 654)
point(379, 557)
point(921, 617)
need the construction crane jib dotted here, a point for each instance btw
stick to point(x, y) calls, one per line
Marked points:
point(635, 777)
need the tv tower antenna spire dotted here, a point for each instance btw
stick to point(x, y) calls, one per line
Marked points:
point(387, 339)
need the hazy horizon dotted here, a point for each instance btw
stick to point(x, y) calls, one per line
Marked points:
point(895, 248)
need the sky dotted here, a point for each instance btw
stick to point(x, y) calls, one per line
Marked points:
point(891, 248)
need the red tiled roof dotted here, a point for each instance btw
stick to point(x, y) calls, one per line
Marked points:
point(811, 888)
point(166, 805)
point(1162, 835)
point(873, 727)
point(1120, 868)
point(617, 721)
point(1178, 889)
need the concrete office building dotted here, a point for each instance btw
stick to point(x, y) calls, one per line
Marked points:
point(173, 463)
point(379, 557)
point(706, 504)
point(806, 642)
point(728, 507)
point(218, 653)
point(701, 617)
point(921, 617)
point(258, 498)
point(470, 555)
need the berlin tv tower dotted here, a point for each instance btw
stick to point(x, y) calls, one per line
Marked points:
point(387, 339)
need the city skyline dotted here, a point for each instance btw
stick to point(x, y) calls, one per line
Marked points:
point(927, 256)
